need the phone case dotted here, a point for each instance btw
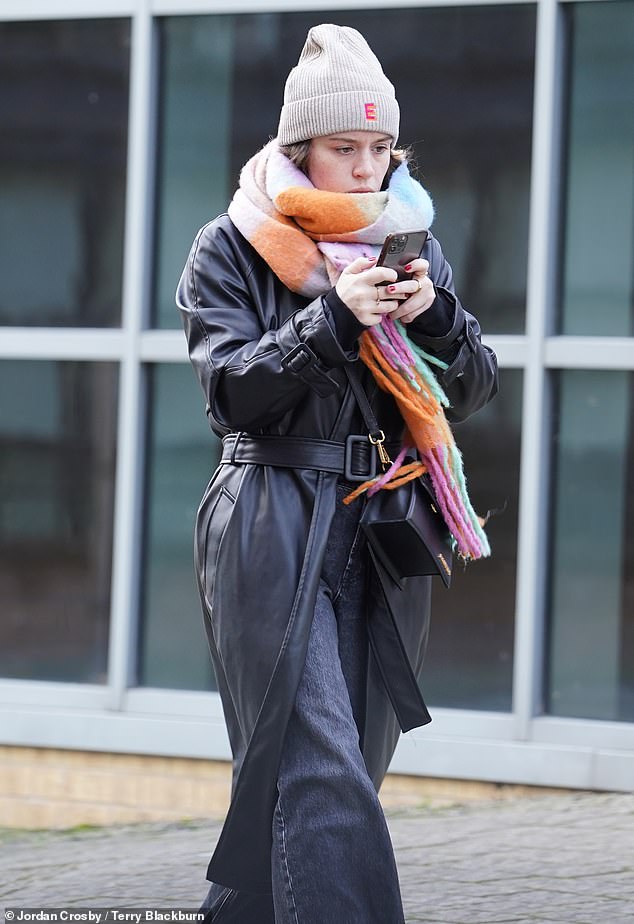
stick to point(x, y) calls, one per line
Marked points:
point(400, 248)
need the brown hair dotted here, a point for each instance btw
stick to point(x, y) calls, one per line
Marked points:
point(298, 152)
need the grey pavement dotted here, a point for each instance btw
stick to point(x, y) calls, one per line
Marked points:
point(562, 858)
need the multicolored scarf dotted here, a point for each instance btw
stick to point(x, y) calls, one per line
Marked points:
point(308, 236)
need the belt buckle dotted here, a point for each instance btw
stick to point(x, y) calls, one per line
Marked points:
point(348, 473)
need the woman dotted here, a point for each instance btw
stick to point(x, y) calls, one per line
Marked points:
point(317, 654)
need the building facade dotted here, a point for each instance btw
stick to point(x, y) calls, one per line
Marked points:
point(123, 125)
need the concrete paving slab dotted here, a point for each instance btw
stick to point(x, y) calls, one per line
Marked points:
point(565, 859)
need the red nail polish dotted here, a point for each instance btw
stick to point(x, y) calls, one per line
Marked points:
point(408, 267)
point(391, 288)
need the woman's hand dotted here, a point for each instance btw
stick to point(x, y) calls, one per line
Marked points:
point(415, 295)
point(357, 288)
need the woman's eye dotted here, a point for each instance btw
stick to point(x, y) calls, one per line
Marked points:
point(344, 150)
point(381, 148)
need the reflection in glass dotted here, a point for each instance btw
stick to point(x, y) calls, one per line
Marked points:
point(590, 671)
point(469, 663)
point(182, 455)
point(57, 467)
point(598, 252)
point(464, 79)
point(63, 137)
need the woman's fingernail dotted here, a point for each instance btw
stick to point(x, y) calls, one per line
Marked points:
point(372, 259)
point(391, 288)
point(408, 267)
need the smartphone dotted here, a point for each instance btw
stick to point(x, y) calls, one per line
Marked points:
point(400, 248)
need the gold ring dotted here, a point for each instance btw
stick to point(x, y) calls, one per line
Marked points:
point(378, 295)
point(420, 285)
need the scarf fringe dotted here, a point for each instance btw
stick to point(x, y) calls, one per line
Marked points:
point(400, 368)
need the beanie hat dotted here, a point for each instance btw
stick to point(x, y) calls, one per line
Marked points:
point(338, 85)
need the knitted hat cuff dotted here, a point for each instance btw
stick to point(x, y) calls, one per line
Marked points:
point(357, 110)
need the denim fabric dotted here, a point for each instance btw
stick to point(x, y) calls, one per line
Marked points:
point(332, 858)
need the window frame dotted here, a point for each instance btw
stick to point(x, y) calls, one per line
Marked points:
point(523, 746)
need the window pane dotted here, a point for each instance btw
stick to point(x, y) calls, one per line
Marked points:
point(590, 671)
point(195, 146)
point(469, 663)
point(464, 79)
point(182, 454)
point(63, 136)
point(57, 468)
point(598, 251)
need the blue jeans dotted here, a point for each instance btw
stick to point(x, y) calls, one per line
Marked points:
point(332, 858)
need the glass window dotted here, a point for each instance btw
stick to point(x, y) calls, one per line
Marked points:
point(590, 671)
point(63, 136)
point(57, 469)
point(469, 663)
point(598, 249)
point(182, 455)
point(194, 171)
point(464, 79)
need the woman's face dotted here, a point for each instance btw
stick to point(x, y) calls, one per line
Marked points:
point(349, 162)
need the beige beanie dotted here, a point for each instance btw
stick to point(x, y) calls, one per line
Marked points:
point(338, 85)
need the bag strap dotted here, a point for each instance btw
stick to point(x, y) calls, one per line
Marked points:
point(375, 434)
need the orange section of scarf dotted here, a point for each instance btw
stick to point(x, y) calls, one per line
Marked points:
point(323, 214)
point(423, 415)
point(293, 255)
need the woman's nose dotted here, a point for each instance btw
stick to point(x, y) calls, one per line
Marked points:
point(363, 165)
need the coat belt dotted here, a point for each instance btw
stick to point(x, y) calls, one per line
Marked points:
point(355, 459)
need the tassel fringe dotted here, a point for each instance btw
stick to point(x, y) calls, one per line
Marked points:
point(403, 369)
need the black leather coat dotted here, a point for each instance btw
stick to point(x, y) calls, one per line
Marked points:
point(270, 361)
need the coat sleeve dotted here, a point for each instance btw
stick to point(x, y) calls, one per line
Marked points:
point(471, 378)
point(250, 376)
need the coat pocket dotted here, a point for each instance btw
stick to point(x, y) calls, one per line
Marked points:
point(216, 523)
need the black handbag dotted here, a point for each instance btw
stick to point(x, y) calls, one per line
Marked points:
point(407, 533)
point(404, 528)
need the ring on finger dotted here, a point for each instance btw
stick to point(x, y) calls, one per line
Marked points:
point(420, 285)
point(378, 295)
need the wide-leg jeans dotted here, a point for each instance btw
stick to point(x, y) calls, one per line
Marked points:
point(332, 857)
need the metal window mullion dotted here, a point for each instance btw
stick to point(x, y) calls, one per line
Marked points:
point(61, 343)
point(586, 352)
point(127, 527)
point(531, 577)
